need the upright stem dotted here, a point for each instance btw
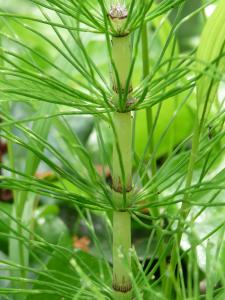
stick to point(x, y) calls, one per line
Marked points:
point(17, 250)
point(122, 159)
point(185, 208)
point(149, 117)
point(122, 162)
point(122, 183)
point(183, 213)
point(121, 260)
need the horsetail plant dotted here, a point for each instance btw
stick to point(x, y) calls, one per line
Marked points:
point(122, 153)
point(136, 145)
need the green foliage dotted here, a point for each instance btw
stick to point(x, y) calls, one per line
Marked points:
point(58, 118)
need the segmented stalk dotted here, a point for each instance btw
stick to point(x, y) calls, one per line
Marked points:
point(122, 157)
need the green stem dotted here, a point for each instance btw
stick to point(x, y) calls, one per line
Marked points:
point(149, 118)
point(149, 115)
point(185, 208)
point(122, 159)
point(17, 250)
point(121, 55)
point(184, 211)
point(122, 182)
point(18, 253)
point(121, 258)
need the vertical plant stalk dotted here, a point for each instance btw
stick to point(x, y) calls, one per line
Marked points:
point(185, 208)
point(121, 260)
point(149, 115)
point(122, 159)
point(122, 184)
point(16, 254)
point(149, 118)
point(121, 218)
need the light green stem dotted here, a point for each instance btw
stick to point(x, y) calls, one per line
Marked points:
point(121, 54)
point(149, 118)
point(121, 259)
point(122, 153)
point(122, 180)
point(122, 162)
point(149, 115)
point(185, 208)
point(17, 251)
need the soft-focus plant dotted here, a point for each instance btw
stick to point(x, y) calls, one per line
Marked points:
point(128, 130)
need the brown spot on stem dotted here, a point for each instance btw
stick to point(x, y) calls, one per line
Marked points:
point(116, 89)
point(118, 187)
point(123, 287)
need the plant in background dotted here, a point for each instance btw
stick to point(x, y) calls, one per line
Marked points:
point(129, 155)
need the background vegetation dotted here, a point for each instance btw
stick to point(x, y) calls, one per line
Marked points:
point(58, 132)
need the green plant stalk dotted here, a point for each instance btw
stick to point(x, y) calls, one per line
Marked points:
point(145, 66)
point(121, 55)
point(17, 253)
point(24, 203)
point(122, 167)
point(149, 118)
point(185, 207)
point(121, 258)
point(122, 179)
point(149, 115)
point(122, 173)
point(122, 184)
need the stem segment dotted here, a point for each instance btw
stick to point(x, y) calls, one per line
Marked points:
point(121, 259)
point(122, 161)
